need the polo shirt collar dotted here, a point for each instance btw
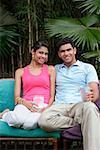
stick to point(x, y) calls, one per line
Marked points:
point(77, 63)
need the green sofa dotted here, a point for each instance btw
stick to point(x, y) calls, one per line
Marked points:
point(16, 134)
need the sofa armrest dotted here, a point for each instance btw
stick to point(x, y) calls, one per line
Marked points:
point(97, 102)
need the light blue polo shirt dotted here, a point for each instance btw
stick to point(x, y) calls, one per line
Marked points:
point(70, 80)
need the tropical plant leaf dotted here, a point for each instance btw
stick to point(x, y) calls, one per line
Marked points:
point(82, 31)
point(8, 32)
point(92, 54)
point(6, 18)
point(92, 6)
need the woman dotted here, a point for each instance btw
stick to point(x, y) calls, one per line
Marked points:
point(38, 82)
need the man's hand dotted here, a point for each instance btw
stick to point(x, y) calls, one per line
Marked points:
point(90, 96)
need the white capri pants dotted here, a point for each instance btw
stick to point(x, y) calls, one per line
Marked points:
point(21, 117)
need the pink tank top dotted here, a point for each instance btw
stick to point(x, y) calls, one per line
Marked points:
point(36, 87)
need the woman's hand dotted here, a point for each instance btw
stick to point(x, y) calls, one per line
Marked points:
point(34, 108)
point(37, 109)
point(27, 104)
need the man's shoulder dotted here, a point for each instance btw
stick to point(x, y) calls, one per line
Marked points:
point(58, 66)
point(85, 64)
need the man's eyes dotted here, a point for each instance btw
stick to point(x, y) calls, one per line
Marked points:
point(62, 51)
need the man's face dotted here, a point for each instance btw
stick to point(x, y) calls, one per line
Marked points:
point(67, 54)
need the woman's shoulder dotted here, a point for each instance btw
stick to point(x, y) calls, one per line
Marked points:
point(51, 68)
point(19, 71)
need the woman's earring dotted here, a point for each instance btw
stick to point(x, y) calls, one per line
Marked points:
point(32, 57)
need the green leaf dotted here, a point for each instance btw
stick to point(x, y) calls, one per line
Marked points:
point(82, 30)
point(92, 54)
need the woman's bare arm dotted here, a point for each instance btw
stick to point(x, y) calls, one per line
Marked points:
point(18, 99)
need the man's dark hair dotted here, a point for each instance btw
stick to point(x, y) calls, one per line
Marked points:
point(64, 41)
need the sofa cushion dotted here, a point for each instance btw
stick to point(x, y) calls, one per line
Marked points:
point(6, 94)
point(73, 133)
point(17, 132)
point(7, 101)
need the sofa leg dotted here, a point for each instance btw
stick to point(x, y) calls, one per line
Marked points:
point(55, 143)
point(65, 144)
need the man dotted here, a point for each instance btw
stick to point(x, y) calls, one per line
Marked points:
point(69, 109)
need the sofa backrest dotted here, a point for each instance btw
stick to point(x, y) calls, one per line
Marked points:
point(6, 94)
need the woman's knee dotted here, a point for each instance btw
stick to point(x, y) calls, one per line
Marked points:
point(11, 119)
point(29, 125)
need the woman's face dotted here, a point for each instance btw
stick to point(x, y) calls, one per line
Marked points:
point(40, 56)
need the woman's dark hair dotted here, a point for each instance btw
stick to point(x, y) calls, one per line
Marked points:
point(39, 44)
point(64, 41)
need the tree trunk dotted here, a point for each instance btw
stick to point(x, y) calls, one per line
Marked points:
point(12, 64)
point(20, 54)
point(29, 20)
point(37, 36)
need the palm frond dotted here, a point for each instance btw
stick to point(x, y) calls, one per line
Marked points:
point(80, 30)
point(8, 32)
point(92, 54)
point(92, 6)
point(6, 18)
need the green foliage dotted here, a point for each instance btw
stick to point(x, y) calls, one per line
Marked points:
point(82, 24)
point(91, 6)
point(84, 31)
point(81, 30)
point(21, 9)
point(92, 54)
point(7, 32)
